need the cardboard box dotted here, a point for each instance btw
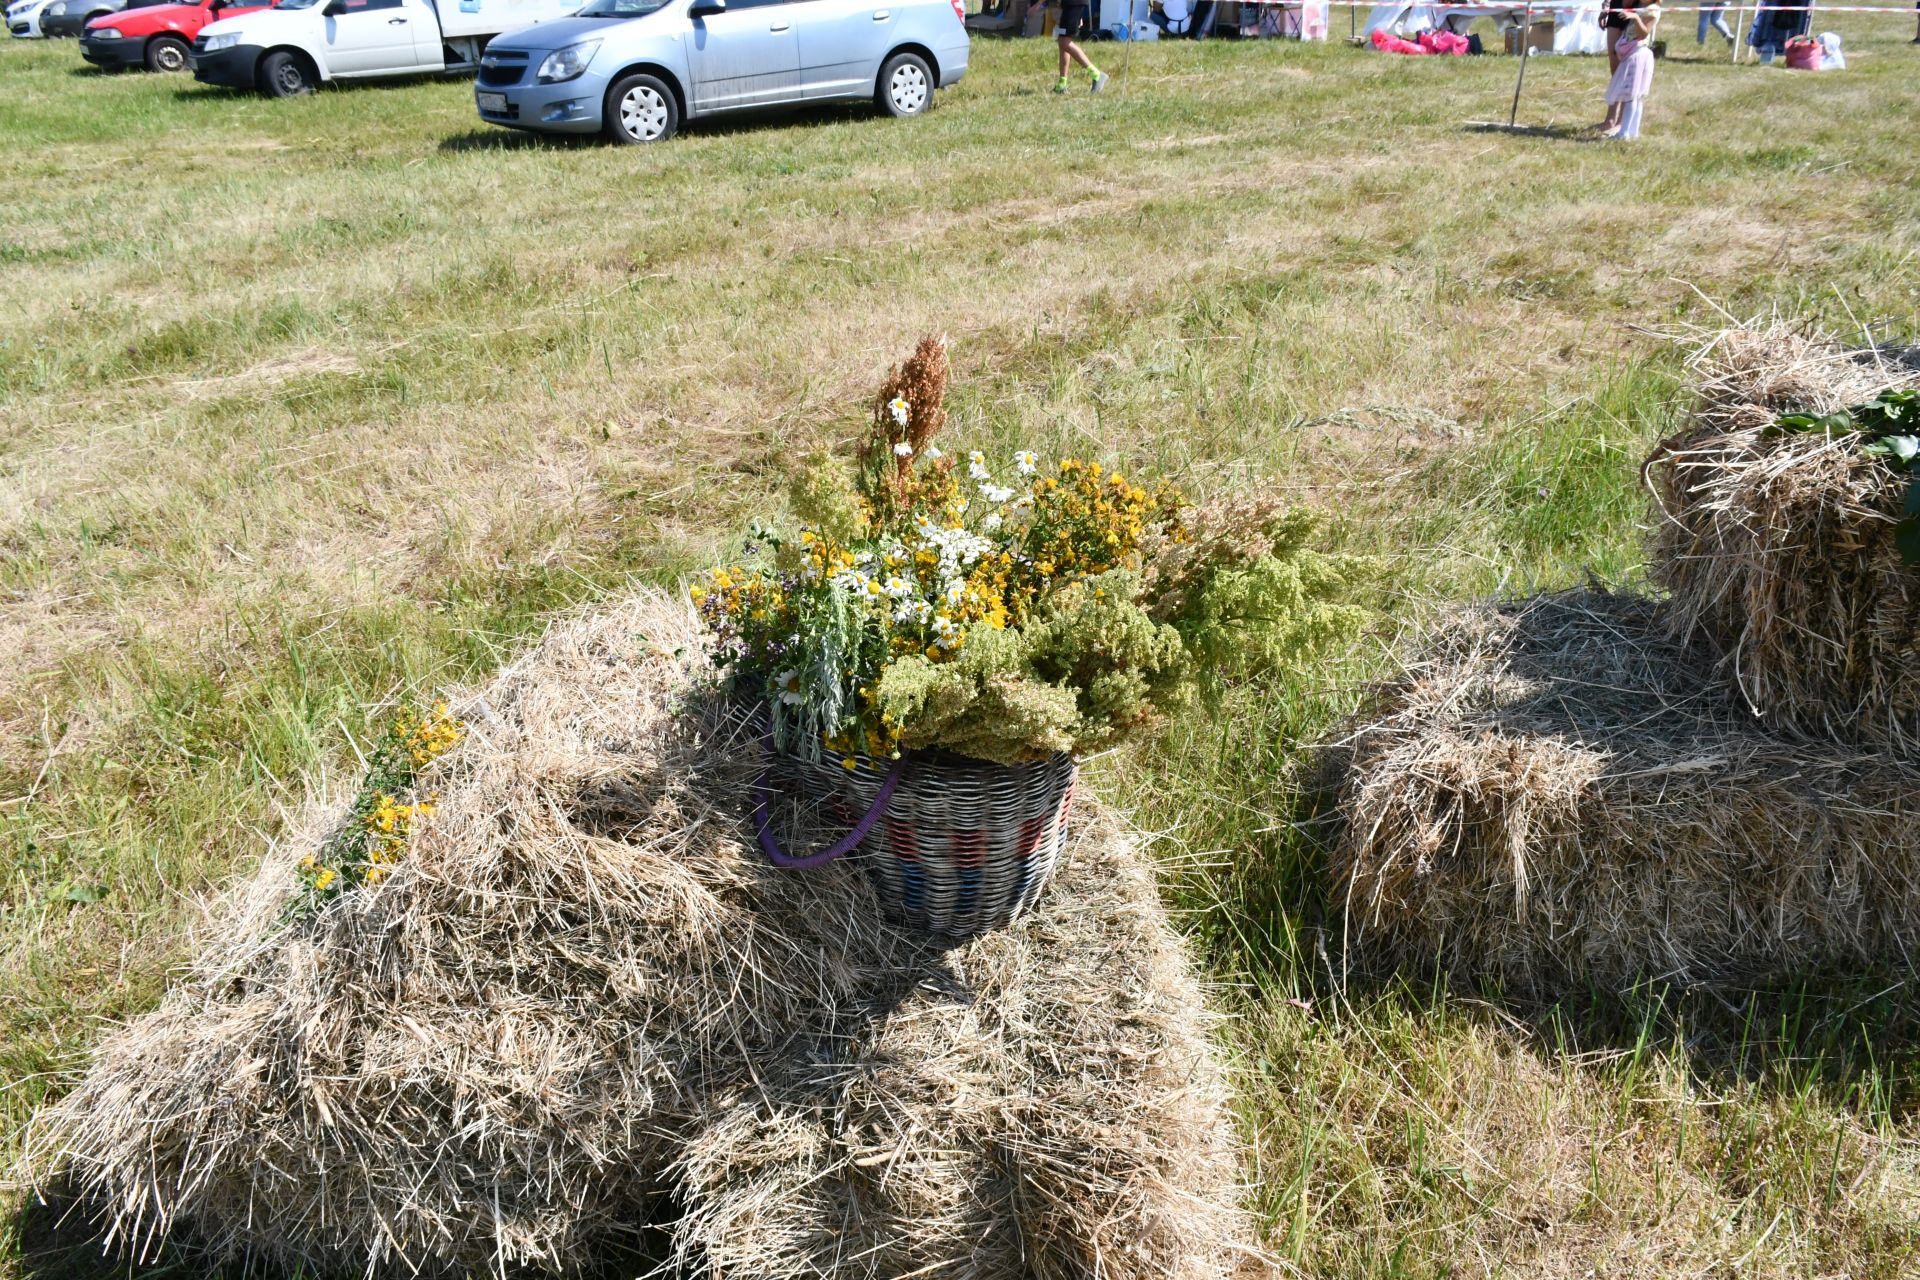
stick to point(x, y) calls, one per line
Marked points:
point(1539, 38)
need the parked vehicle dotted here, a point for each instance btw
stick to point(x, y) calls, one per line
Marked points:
point(157, 37)
point(635, 69)
point(65, 18)
point(297, 45)
point(23, 19)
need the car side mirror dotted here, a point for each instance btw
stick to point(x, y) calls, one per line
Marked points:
point(334, 9)
point(706, 8)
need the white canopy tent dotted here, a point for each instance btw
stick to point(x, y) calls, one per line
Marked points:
point(1576, 23)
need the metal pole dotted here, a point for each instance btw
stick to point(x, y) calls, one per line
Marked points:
point(1739, 16)
point(1526, 38)
point(1353, 21)
point(1126, 59)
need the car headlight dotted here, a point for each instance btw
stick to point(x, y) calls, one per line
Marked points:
point(105, 33)
point(55, 10)
point(567, 63)
point(226, 40)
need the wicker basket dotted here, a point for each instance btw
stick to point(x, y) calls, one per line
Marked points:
point(959, 846)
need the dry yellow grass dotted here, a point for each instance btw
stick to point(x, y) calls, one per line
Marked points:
point(306, 404)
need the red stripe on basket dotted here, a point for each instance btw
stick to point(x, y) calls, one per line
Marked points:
point(900, 838)
point(970, 849)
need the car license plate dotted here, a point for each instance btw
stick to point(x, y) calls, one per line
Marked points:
point(494, 102)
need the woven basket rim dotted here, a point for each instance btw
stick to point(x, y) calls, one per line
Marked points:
point(936, 756)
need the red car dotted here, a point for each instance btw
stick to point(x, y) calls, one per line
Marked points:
point(156, 36)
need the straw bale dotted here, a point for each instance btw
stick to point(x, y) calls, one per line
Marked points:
point(1779, 551)
point(1053, 1079)
point(582, 1004)
point(1555, 792)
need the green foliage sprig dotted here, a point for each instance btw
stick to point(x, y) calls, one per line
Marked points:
point(367, 844)
point(1890, 425)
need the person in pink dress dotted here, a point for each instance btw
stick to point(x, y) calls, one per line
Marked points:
point(1627, 91)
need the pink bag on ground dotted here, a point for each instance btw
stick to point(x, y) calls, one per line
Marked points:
point(1394, 44)
point(1443, 42)
point(1803, 54)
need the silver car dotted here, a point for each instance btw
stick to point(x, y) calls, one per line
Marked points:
point(636, 68)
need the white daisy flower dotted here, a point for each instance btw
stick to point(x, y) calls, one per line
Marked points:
point(899, 409)
point(1028, 461)
point(977, 466)
point(992, 523)
point(935, 453)
point(788, 683)
point(903, 450)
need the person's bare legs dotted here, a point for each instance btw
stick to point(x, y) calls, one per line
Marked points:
point(1611, 123)
point(1071, 52)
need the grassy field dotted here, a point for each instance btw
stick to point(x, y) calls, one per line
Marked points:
point(306, 405)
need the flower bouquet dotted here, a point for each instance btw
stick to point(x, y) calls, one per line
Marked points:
point(945, 631)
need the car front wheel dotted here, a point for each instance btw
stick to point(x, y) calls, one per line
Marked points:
point(906, 85)
point(641, 109)
point(167, 53)
point(284, 75)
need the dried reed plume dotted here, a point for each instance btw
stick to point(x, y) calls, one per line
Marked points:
point(920, 383)
point(1556, 793)
point(1779, 549)
point(582, 1002)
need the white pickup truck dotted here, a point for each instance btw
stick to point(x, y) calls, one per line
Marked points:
point(296, 45)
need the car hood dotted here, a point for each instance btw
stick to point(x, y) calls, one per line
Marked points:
point(158, 11)
point(556, 34)
point(254, 19)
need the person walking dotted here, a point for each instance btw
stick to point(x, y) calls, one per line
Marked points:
point(1072, 23)
point(1627, 91)
point(1713, 14)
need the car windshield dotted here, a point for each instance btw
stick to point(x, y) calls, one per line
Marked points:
point(296, 4)
point(620, 8)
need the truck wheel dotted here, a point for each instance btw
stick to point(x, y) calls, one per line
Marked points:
point(284, 75)
point(906, 85)
point(641, 108)
point(166, 53)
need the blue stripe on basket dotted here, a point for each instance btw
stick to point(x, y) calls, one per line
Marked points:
point(916, 884)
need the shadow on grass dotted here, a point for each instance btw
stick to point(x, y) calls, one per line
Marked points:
point(1852, 1036)
point(497, 138)
point(195, 91)
point(60, 1240)
point(1552, 132)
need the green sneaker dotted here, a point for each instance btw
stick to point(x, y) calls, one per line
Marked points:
point(1060, 85)
point(1099, 81)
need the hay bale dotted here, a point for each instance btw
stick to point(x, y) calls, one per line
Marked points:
point(1779, 551)
point(1555, 792)
point(549, 1025)
point(1052, 1051)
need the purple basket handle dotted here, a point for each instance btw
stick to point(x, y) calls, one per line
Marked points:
point(763, 822)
